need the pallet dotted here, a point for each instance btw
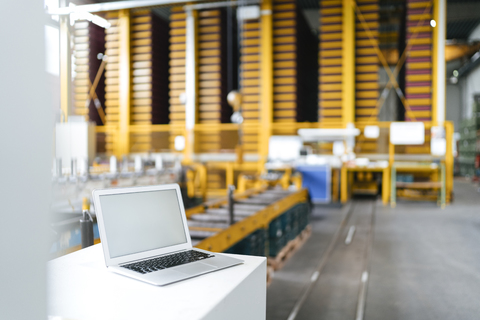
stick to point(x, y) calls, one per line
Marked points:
point(420, 185)
point(289, 250)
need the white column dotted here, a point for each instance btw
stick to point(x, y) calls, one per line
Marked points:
point(65, 66)
point(190, 72)
point(190, 85)
point(441, 86)
point(26, 136)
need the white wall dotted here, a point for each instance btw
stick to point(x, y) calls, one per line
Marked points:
point(475, 35)
point(454, 106)
point(25, 140)
point(470, 86)
point(52, 61)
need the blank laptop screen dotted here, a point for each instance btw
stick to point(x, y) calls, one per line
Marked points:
point(142, 221)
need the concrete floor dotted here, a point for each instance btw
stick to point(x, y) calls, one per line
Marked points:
point(422, 262)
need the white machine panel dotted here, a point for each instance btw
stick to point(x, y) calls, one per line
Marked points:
point(74, 140)
point(284, 148)
point(407, 133)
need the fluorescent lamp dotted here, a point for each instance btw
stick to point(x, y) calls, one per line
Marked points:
point(93, 18)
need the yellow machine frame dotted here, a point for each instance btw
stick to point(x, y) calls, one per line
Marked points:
point(265, 127)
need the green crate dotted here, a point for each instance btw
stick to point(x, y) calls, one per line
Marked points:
point(254, 244)
point(467, 169)
point(468, 133)
point(464, 124)
point(467, 145)
point(476, 107)
point(467, 160)
point(275, 228)
point(276, 245)
point(286, 227)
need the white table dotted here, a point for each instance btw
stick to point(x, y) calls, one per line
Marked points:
point(80, 288)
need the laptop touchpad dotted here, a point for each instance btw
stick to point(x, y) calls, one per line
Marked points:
point(194, 268)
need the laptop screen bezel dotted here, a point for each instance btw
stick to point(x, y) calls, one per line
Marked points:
point(109, 261)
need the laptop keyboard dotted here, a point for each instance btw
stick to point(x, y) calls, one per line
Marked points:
point(169, 261)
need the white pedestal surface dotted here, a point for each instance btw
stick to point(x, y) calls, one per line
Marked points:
point(80, 287)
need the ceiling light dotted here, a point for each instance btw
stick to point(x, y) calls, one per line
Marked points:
point(84, 15)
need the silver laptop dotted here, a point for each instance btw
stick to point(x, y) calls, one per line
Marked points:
point(145, 236)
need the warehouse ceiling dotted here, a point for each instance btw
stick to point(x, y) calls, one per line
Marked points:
point(463, 16)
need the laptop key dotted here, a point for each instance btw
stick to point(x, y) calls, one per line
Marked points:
point(169, 261)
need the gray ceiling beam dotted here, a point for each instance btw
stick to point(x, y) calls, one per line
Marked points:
point(463, 11)
point(116, 5)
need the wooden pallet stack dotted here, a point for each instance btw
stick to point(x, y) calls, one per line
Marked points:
point(89, 41)
point(177, 77)
point(112, 102)
point(366, 69)
point(390, 29)
point(418, 69)
point(250, 80)
point(149, 56)
point(148, 71)
point(212, 91)
point(294, 58)
point(418, 84)
point(330, 62)
point(284, 61)
point(212, 94)
point(292, 246)
point(366, 62)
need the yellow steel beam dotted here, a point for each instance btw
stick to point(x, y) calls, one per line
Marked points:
point(438, 62)
point(384, 62)
point(452, 52)
point(266, 60)
point(195, 210)
point(348, 62)
point(335, 184)
point(225, 165)
point(229, 172)
point(228, 237)
point(237, 196)
point(434, 63)
point(106, 128)
point(65, 66)
point(449, 160)
point(206, 229)
point(93, 96)
point(344, 185)
point(386, 185)
point(249, 127)
point(391, 153)
point(346, 174)
point(191, 85)
point(456, 51)
point(400, 63)
point(123, 146)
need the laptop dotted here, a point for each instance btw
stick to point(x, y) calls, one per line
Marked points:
point(145, 235)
